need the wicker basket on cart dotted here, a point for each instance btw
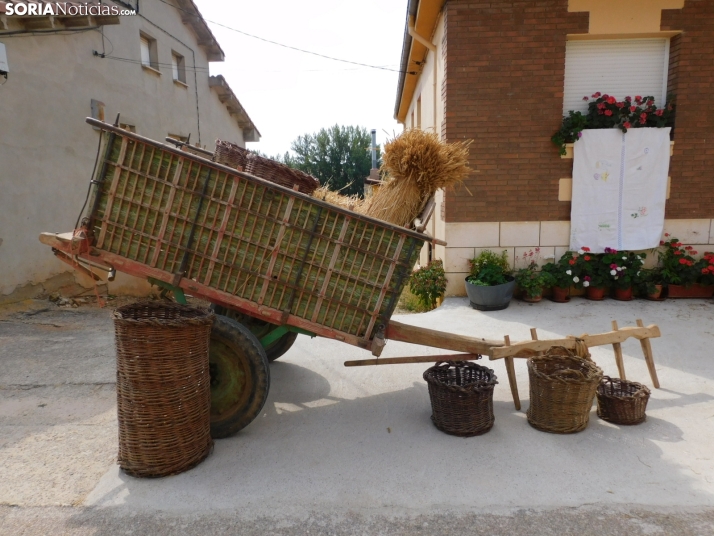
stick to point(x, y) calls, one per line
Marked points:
point(461, 397)
point(562, 389)
point(163, 387)
point(232, 155)
point(621, 401)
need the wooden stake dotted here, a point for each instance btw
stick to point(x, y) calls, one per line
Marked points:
point(649, 358)
point(617, 347)
point(511, 370)
point(414, 359)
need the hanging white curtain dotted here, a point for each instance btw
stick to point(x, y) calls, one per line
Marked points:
point(619, 189)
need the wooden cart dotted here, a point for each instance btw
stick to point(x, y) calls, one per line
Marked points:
point(274, 262)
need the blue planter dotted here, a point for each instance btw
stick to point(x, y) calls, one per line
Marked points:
point(491, 298)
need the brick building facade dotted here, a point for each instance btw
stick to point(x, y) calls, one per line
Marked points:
point(496, 74)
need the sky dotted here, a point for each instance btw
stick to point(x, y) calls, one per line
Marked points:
point(288, 93)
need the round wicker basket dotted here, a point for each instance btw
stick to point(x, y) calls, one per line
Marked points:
point(562, 389)
point(621, 401)
point(461, 397)
point(163, 387)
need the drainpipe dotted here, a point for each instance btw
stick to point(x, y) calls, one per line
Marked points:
point(429, 45)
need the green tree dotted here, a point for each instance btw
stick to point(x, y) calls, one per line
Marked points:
point(339, 156)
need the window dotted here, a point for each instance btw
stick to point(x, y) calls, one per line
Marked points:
point(178, 67)
point(149, 56)
point(619, 67)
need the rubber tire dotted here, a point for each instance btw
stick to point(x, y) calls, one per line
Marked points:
point(232, 344)
point(275, 349)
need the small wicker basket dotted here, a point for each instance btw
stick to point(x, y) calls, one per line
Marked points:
point(461, 397)
point(562, 389)
point(621, 401)
point(163, 387)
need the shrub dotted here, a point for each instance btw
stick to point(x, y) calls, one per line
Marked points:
point(429, 283)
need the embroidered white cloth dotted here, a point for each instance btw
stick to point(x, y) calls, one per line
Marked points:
point(619, 189)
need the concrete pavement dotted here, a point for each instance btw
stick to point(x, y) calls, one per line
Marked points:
point(353, 451)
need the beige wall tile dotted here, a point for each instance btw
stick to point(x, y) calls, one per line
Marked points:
point(554, 233)
point(711, 233)
point(524, 256)
point(472, 234)
point(455, 284)
point(689, 231)
point(560, 251)
point(520, 233)
point(457, 259)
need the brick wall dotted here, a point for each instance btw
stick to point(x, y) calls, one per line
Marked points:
point(503, 88)
point(692, 81)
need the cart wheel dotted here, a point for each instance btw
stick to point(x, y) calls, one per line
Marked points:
point(260, 328)
point(240, 377)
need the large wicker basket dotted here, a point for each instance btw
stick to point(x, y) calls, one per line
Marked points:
point(461, 397)
point(163, 387)
point(621, 401)
point(562, 389)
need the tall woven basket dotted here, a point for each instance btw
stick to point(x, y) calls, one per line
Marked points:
point(461, 397)
point(621, 401)
point(562, 389)
point(163, 387)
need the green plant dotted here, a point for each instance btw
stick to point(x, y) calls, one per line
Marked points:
point(591, 269)
point(678, 265)
point(565, 272)
point(605, 111)
point(489, 268)
point(648, 278)
point(623, 267)
point(429, 283)
point(532, 282)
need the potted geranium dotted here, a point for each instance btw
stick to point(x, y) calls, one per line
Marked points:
point(593, 276)
point(564, 274)
point(606, 111)
point(490, 284)
point(531, 282)
point(649, 284)
point(681, 272)
point(623, 267)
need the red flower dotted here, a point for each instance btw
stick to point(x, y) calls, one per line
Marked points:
point(601, 106)
point(693, 252)
point(633, 108)
point(587, 257)
point(608, 112)
point(588, 249)
point(571, 261)
point(683, 261)
point(661, 242)
point(596, 95)
point(677, 252)
point(605, 96)
point(643, 115)
point(659, 113)
point(628, 99)
point(620, 104)
point(611, 100)
point(585, 98)
point(643, 121)
point(627, 124)
point(666, 234)
point(650, 102)
point(688, 248)
point(638, 99)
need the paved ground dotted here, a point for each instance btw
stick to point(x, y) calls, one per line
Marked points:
point(352, 451)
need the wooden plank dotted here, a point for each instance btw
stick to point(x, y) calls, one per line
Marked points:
point(511, 372)
point(397, 331)
point(413, 359)
point(112, 189)
point(222, 230)
point(67, 242)
point(167, 213)
point(530, 348)
point(330, 268)
point(649, 357)
point(617, 347)
point(202, 291)
point(385, 285)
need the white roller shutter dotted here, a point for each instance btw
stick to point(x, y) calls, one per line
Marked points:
point(618, 67)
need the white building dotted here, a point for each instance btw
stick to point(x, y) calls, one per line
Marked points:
point(152, 67)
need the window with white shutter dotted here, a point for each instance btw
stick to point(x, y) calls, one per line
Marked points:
point(149, 55)
point(618, 67)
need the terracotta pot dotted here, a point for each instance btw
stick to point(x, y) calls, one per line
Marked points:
point(657, 294)
point(595, 293)
point(532, 299)
point(560, 294)
point(623, 294)
point(694, 291)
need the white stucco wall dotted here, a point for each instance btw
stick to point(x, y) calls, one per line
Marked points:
point(46, 148)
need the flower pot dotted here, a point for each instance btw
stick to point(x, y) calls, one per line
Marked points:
point(532, 299)
point(595, 293)
point(657, 294)
point(623, 294)
point(694, 291)
point(491, 298)
point(560, 294)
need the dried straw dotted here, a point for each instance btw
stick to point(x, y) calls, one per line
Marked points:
point(350, 202)
point(419, 164)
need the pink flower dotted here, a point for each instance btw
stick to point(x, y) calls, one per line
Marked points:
point(638, 99)
point(628, 99)
point(585, 98)
point(627, 124)
point(659, 113)
point(608, 112)
point(633, 108)
point(596, 95)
